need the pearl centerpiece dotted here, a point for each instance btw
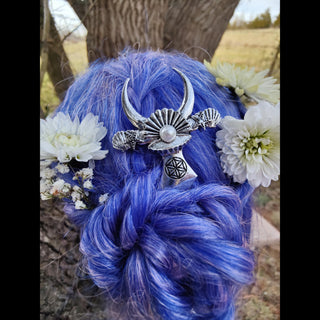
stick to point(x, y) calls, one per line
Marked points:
point(168, 133)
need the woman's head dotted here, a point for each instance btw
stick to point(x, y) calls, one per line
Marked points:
point(161, 253)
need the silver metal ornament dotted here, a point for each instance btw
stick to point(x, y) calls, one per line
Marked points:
point(166, 131)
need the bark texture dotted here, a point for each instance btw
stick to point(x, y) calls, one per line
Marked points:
point(193, 27)
point(196, 27)
point(113, 25)
point(58, 65)
point(65, 290)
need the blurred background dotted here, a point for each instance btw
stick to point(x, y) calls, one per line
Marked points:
point(74, 33)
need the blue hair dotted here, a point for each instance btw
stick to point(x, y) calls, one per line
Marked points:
point(176, 253)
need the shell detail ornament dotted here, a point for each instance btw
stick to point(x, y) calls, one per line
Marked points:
point(124, 140)
point(206, 118)
point(166, 131)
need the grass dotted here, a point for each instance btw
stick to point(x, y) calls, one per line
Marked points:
point(261, 301)
point(48, 97)
point(77, 54)
point(250, 47)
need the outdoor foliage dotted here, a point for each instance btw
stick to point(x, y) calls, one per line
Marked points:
point(259, 22)
point(262, 21)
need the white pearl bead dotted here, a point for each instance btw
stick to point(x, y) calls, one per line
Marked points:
point(168, 133)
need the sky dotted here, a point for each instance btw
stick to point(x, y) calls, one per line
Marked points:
point(66, 18)
point(249, 9)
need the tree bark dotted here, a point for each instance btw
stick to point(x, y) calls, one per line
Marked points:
point(80, 8)
point(59, 68)
point(196, 27)
point(274, 60)
point(114, 25)
point(58, 65)
point(65, 290)
point(193, 27)
point(44, 38)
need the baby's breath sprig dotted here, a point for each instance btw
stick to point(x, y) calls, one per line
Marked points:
point(53, 185)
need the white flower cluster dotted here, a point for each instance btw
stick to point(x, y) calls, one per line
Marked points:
point(61, 141)
point(246, 82)
point(250, 148)
point(53, 186)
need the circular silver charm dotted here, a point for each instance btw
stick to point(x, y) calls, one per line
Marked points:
point(175, 168)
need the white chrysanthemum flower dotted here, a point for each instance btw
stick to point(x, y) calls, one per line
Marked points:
point(63, 139)
point(245, 81)
point(250, 148)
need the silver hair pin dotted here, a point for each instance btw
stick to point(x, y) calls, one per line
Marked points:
point(166, 131)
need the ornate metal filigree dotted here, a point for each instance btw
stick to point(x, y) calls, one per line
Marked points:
point(166, 131)
point(124, 140)
point(207, 118)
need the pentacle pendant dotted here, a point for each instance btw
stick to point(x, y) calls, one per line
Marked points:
point(176, 170)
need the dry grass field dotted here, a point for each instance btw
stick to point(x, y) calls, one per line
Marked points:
point(254, 48)
point(251, 47)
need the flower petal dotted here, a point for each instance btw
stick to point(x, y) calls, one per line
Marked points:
point(64, 139)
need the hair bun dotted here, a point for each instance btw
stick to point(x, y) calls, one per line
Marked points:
point(168, 251)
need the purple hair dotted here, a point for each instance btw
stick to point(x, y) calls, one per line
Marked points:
point(174, 253)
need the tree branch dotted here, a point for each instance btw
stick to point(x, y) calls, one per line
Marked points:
point(274, 60)
point(44, 51)
point(82, 19)
point(79, 8)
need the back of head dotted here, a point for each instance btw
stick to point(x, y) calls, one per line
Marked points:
point(177, 252)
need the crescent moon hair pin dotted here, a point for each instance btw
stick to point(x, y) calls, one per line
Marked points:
point(166, 131)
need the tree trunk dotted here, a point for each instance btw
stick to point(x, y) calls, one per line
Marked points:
point(196, 27)
point(59, 68)
point(80, 7)
point(274, 60)
point(114, 25)
point(58, 65)
point(65, 290)
point(44, 39)
point(193, 27)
